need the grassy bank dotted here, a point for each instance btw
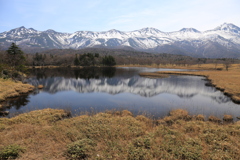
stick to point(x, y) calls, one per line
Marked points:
point(227, 81)
point(51, 134)
point(192, 66)
point(10, 89)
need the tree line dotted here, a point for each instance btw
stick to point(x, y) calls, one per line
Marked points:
point(13, 61)
point(89, 59)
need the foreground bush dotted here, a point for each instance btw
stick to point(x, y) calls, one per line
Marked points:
point(80, 149)
point(10, 152)
point(51, 134)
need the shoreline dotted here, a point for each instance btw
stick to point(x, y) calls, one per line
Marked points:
point(225, 81)
point(12, 89)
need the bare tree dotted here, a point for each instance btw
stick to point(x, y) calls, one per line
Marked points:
point(227, 63)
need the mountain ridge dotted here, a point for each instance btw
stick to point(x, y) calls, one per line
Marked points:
point(221, 42)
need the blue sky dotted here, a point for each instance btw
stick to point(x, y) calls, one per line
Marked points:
point(125, 15)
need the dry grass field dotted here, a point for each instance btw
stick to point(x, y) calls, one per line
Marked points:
point(52, 134)
point(227, 81)
point(10, 88)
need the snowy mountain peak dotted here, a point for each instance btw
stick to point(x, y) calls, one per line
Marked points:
point(114, 30)
point(228, 27)
point(149, 30)
point(22, 31)
point(19, 29)
point(22, 27)
point(50, 31)
point(189, 30)
point(223, 41)
point(32, 29)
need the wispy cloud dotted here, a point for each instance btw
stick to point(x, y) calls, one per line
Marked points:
point(200, 14)
point(126, 15)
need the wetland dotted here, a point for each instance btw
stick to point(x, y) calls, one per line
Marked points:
point(97, 89)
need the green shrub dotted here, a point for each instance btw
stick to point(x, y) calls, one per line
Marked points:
point(80, 149)
point(2, 127)
point(138, 154)
point(142, 143)
point(11, 152)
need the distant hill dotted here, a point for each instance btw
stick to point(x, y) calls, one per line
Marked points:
point(221, 42)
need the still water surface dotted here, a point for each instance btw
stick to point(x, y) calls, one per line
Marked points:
point(100, 89)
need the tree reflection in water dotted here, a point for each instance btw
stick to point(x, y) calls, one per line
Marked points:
point(108, 86)
point(17, 102)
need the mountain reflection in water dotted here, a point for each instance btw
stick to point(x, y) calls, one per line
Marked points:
point(114, 88)
point(183, 86)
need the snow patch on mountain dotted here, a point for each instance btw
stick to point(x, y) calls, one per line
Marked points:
point(226, 35)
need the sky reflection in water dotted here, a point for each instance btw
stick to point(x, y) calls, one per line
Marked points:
point(100, 89)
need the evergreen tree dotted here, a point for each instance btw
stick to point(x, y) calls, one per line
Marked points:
point(15, 62)
point(15, 57)
point(76, 61)
point(96, 55)
point(87, 59)
point(108, 61)
point(39, 59)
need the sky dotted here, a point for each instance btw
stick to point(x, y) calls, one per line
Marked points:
point(70, 16)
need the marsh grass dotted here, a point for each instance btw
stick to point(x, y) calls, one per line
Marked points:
point(226, 81)
point(228, 119)
point(54, 134)
point(153, 75)
point(10, 88)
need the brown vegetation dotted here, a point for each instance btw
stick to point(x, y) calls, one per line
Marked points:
point(227, 119)
point(40, 86)
point(200, 117)
point(50, 134)
point(153, 75)
point(10, 88)
point(214, 119)
point(227, 81)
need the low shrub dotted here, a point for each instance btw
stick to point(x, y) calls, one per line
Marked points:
point(126, 113)
point(11, 151)
point(227, 119)
point(80, 149)
point(200, 117)
point(214, 119)
point(136, 153)
point(142, 143)
point(180, 114)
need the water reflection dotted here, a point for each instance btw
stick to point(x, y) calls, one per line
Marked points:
point(85, 73)
point(182, 86)
point(111, 88)
point(17, 103)
point(90, 73)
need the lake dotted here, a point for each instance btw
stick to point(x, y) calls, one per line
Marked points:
point(100, 89)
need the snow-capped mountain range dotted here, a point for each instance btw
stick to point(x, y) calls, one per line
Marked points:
point(223, 41)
